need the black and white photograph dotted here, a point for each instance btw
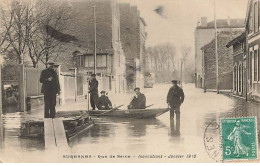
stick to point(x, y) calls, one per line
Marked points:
point(129, 81)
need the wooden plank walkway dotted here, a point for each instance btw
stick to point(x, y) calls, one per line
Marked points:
point(49, 136)
point(60, 135)
point(54, 134)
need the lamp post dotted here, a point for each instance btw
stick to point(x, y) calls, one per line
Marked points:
point(95, 40)
point(216, 47)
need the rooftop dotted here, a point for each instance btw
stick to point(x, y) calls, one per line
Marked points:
point(224, 23)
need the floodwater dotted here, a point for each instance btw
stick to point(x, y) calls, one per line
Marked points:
point(133, 140)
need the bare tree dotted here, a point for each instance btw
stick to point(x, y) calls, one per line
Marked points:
point(163, 58)
point(35, 29)
point(15, 24)
point(53, 18)
point(187, 63)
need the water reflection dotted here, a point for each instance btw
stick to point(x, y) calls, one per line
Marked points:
point(110, 127)
point(175, 129)
point(1, 132)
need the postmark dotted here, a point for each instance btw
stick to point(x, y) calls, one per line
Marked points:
point(212, 142)
point(239, 138)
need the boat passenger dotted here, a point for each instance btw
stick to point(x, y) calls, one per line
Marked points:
point(103, 102)
point(139, 100)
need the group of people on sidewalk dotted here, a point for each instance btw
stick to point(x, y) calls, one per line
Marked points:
point(51, 87)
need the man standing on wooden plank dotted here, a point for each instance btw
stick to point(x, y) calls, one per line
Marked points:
point(93, 90)
point(50, 88)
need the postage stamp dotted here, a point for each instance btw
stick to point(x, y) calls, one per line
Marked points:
point(239, 138)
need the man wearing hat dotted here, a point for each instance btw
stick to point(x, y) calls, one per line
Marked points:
point(50, 88)
point(139, 100)
point(93, 90)
point(175, 98)
point(103, 102)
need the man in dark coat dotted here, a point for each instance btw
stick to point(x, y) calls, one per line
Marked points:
point(139, 100)
point(50, 88)
point(93, 90)
point(175, 98)
point(103, 102)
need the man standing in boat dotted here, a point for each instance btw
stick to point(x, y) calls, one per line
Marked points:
point(93, 90)
point(139, 100)
point(175, 98)
point(50, 88)
point(103, 102)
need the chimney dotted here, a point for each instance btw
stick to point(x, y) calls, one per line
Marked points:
point(228, 21)
point(204, 22)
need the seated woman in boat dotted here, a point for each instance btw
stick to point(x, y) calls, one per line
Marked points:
point(139, 100)
point(103, 102)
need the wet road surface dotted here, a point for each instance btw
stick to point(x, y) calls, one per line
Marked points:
point(134, 140)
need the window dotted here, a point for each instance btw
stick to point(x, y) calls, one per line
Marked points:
point(89, 61)
point(101, 60)
point(251, 21)
point(240, 78)
point(80, 61)
point(255, 65)
point(235, 78)
point(250, 66)
point(256, 27)
point(258, 66)
point(119, 59)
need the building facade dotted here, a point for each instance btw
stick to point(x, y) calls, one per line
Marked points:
point(133, 39)
point(253, 56)
point(238, 46)
point(110, 58)
point(225, 62)
point(205, 33)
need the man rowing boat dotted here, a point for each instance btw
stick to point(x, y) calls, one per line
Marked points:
point(139, 100)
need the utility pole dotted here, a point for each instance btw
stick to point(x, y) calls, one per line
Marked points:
point(95, 40)
point(181, 70)
point(216, 48)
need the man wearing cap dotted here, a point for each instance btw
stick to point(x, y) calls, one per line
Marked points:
point(139, 100)
point(103, 102)
point(93, 90)
point(175, 98)
point(50, 88)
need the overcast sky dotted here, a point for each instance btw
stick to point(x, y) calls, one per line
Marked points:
point(180, 17)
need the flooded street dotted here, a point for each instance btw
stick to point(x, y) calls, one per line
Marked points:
point(132, 140)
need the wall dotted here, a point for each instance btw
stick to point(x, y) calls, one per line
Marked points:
point(225, 62)
point(203, 37)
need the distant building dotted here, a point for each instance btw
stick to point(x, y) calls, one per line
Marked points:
point(205, 33)
point(133, 39)
point(110, 56)
point(225, 62)
point(238, 46)
point(253, 56)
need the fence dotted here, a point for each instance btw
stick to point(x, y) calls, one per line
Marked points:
point(30, 87)
point(33, 85)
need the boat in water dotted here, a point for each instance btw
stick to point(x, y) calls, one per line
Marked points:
point(130, 113)
point(75, 122)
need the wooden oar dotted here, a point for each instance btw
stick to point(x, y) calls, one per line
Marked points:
point(111, 110)
point(148, 106)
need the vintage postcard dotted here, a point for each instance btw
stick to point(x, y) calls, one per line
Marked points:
point(129, 81)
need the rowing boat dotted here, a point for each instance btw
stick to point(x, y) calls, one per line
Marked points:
point(130, 113)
